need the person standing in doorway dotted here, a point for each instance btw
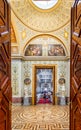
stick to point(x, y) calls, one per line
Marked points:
point(44, 97)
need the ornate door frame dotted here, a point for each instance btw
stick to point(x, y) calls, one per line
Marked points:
point(40, 66)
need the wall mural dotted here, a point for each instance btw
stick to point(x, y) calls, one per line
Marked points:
point(38, 50)
point(34, 50)
point(55, 50)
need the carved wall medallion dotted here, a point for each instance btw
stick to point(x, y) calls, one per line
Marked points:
point(27, 81)
point(61, 81)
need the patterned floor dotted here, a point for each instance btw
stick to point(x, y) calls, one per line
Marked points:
point(40, 117)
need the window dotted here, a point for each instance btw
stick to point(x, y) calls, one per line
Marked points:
point(45, 4)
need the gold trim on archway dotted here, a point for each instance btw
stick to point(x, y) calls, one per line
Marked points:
point(54, 67)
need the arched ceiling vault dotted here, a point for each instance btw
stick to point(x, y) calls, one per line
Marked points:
point(42, 21)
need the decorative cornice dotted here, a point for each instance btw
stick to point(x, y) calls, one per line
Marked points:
point(41, 58)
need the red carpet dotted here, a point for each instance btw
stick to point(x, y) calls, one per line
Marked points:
point(43, 101)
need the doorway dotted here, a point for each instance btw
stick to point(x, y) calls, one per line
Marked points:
point(44, 84)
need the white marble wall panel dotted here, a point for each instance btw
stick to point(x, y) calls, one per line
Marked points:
point(23, 69)
point(16, 78)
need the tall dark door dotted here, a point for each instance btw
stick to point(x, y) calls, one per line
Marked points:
point(75, 107)
point(5, 67)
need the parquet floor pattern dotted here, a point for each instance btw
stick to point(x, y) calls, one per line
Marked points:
point(40, 117)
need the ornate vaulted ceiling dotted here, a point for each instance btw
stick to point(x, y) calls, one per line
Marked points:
point(42, 21)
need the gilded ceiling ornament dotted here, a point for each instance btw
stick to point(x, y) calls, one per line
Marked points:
point(42, 21)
